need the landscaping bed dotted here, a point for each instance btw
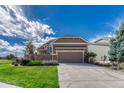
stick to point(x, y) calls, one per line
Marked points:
point(27, 62)
point(42, 63)
point(29, 76)
point(118, 67)
point(105, 64)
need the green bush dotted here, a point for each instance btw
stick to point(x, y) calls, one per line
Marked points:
point(40, 63)
point(118, 66)
point(91, 54)
point(35, 63)
point(92, 62)
point(20, 61)
point(48, 64)
point(24, 62)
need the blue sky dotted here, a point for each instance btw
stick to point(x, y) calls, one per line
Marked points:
point(42, 23)
point(86, 21)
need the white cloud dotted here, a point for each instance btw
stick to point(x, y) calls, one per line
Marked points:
point(4, 53)
point(44, 40)
point(6, 48)
point(16, 49)
point(3, 44)
point(14, 23)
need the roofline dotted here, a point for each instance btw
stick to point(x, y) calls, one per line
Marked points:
point(70, 43)
point(102, 39)
point(72, 37)
point(66, 37)
point(47, 42)
point(84, 39)
point(103, 44)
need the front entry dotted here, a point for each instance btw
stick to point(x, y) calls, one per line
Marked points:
point(71, 57)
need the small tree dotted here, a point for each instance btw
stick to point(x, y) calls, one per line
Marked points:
point(112, 52)
point(120, 44)
point(30, 50)
point(117, 46)
point(91, 56)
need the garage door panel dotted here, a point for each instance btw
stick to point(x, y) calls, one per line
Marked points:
point(70, 57)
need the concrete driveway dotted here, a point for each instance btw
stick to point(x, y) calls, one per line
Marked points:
point(79, 75)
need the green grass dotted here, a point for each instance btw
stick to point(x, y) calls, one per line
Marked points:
point(29, 76)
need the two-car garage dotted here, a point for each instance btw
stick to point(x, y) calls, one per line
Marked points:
point(72, 57)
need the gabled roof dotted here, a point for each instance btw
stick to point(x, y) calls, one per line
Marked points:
point(47, 43)
point(73, 39)
point(103, 40)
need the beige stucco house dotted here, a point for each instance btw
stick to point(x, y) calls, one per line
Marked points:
point(101, 48)
point(73, 48)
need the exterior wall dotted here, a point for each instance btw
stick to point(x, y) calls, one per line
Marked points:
point(100, 50)
point(72, 47)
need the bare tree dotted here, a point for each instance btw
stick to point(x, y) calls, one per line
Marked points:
point(30, 48)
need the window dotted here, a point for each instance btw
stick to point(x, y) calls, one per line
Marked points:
point(49, 49)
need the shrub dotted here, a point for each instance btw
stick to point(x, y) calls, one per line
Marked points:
point(91, 57)
point(91, 54)
point(20, 61)
point(103, 64)
point(27, 62)
point(42, 63)
point(35, 63)
point(24, 62)
point(118, 66)
point(47, 64)
point(92, 61)
point(115, 63)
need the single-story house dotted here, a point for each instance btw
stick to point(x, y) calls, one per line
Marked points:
point(73, 49)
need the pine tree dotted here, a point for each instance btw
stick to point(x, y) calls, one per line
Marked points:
point(112, 51)
point(120, 44)
point(117, 46)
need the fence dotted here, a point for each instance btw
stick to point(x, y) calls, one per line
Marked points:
point(45, 57)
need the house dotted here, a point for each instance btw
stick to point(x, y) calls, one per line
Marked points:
point(73, 49)
point(66, 49)
point(101, 48)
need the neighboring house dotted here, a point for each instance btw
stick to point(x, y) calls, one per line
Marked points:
point(73, 48)
point(101, 48)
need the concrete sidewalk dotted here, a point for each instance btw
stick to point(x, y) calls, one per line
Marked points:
point(4, 85)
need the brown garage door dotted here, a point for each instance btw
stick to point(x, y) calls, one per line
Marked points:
point(70, 56)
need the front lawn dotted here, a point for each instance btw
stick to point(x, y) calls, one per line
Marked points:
point(29, 76)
